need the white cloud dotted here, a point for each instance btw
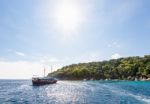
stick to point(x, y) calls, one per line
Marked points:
point(115, 56)
point(22, 69)
point(20, 53)
point(114, 44)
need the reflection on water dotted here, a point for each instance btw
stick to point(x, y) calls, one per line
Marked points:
point(75, 92)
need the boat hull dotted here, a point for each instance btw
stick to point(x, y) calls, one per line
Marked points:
point(38, 81)
point(42, 83)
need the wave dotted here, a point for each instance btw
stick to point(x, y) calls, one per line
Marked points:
point(24, 87)
point(118, 91)
point(141, 98)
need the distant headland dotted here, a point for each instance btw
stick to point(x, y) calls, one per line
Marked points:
point(129, 68)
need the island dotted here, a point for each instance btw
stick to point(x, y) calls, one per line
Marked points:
point(129, 68)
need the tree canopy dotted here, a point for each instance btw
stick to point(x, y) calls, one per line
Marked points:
point(122, 68)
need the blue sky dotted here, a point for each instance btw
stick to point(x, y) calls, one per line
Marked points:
point(36, 33)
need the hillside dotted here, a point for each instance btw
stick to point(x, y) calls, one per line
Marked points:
point(123, 68)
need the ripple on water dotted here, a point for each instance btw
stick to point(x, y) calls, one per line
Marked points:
point(74, 92)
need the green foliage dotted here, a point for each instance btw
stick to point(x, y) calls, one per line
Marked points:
point(123, 68)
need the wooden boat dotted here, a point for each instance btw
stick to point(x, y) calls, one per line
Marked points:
point(43, 80)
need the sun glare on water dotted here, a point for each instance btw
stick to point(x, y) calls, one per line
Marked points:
point(68, 16)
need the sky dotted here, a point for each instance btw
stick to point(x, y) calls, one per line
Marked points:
point(42, 33)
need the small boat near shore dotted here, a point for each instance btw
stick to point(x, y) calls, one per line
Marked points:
point(42, 81)
point(36, 81)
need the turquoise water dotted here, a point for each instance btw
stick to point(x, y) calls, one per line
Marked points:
point(75, 92)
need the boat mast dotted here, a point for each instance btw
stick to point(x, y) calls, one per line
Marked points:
point(44, 71)
point(51, 68)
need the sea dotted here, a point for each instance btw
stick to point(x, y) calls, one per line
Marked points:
point(75, 92)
